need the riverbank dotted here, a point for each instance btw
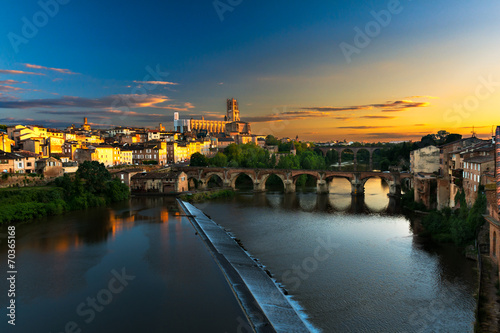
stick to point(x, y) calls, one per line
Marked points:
point(264, 303)
point(90, 186)
point(206, 195)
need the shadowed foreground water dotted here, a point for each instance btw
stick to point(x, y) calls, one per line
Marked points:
point(135, 267)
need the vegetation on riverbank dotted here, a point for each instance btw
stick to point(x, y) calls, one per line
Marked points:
point(91, 186)
point(203, 196)
point(458, 226)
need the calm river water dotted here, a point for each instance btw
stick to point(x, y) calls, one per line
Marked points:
point(352, 268)
point(353, 272)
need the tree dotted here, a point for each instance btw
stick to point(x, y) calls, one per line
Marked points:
point(198, 159)
point(452, 138)
point(272, 141)
point(288, 162)
point(219, 160)
point(95, 175)
point(428, 140)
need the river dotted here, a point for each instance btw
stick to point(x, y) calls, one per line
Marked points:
point(351, 268)
point(353, 272)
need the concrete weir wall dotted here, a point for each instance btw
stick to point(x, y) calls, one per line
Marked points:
point(266, 307)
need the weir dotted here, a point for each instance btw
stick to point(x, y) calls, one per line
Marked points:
point(266, 306)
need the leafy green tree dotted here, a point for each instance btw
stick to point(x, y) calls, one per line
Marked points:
point(95, 175)
point(288, 162)
point(311, 161)
point(219, 160)
point(198, 159)
point(452, 138)
point(272, 141)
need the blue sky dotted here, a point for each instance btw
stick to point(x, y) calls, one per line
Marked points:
point(283, 61)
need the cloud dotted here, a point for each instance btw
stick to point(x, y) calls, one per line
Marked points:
point(11, 82)
point(174, 107)
point(59, 70)
point(428, 97)
point(385, 136)
point(338, 109)
point(287, 115)
point(378, 117)
point(157, 82)
point(397, 106)
point(106, 102)
point(363, 127)
point(9, 88)
point(14, 72)
point(390, 106)
point(106, 114)
point(326, 111)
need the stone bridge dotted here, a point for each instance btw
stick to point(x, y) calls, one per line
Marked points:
point(355, 151)
point(289, 178)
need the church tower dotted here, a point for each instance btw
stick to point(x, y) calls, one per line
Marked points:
point(233, 114)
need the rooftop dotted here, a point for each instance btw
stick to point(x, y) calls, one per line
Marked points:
point(479, 159)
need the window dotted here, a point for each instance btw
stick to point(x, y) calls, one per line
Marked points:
point(494, 249)
point(474, 188)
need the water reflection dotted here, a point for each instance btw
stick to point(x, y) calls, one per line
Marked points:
point(66, 259)
point(337, 202)
point(62, 233)
point(379, 277)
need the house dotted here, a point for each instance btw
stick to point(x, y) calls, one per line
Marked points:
point(473, 171)
point(159, 182)
point(49, 167)
point(125, 175)
point(30, 160)
point(70, 167)
point(12, 162)
point(493, 207)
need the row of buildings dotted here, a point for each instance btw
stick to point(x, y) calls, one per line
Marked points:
point(123, 145)
point(470, 165)
point(440, 172)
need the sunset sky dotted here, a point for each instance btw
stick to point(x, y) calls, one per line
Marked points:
point(296, 68)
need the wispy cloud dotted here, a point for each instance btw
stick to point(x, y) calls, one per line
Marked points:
point(378, 117)
point(328, 111)
point(59, 70)
point(424, 96)
point(15, 72)
point(106, 102)
point(12, 82)
point(363, 127)
point(9, 88)
point(389, 106)
point(157, 82)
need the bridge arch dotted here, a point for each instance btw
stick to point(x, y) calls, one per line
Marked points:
point(236, 175)
point(265, 177)
point(214, 178)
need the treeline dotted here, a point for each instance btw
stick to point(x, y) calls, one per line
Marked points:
point(91, 186)
point(307, 156)
point(458, 226)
